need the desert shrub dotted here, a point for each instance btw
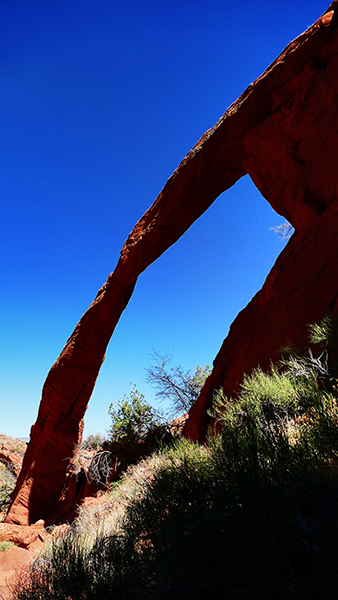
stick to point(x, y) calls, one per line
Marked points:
point(325, 333)
point(133, 418)
point(250, 516)
point(92, 560)
point(93, 441)
point(202, 527)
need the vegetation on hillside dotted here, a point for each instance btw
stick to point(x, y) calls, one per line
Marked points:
point(11, 454)
point(252, 515)
point(7, 485)
point(134, 420)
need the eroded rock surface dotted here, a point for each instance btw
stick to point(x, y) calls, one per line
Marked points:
point(282, 131)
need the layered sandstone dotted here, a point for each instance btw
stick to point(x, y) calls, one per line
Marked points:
point(282, 132)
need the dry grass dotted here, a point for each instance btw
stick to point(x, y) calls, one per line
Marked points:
point(106, 518)
point(191, 522)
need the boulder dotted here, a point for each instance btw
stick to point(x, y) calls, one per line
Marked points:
point(282, 132)
point(28, 537)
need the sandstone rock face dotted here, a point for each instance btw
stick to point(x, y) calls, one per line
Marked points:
point(301, 288)
point(29, 537)
point(282, 131)
point(291, 158)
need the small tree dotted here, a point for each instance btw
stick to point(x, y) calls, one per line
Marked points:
point(179, 387)
point(133, 418)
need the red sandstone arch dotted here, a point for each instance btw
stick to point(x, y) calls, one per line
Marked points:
point(283, 132)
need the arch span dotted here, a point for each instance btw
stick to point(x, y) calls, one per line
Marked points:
point(282, 132)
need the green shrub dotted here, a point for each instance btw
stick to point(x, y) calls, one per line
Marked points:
point(133, 418)
point(4, 546)
point(325, 333)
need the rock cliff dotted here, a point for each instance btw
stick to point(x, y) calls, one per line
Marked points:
point(282, 131)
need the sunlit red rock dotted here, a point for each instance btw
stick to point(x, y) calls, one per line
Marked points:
point(13, 564)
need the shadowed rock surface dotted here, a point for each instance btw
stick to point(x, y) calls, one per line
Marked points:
point(282, 131)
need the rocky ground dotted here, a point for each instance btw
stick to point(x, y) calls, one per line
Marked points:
point(18, 548)
point(20, 545)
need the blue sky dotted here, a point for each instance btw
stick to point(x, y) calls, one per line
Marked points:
point(99, 103)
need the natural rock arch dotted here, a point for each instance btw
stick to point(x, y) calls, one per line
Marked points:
point(283, 132)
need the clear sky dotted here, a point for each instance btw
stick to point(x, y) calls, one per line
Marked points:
point(100, 101)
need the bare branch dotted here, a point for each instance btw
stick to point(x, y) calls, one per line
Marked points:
point(181, 388)
point(284, 231)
